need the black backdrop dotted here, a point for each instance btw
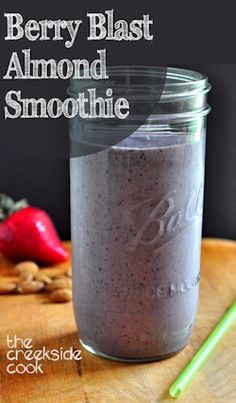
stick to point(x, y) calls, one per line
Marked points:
point(220, 177)
point(180, 36)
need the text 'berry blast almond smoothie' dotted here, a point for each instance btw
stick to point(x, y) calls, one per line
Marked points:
point(136, 230)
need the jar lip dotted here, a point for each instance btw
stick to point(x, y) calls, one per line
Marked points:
point(186, 75)
point(174, 82)
point(178, 81)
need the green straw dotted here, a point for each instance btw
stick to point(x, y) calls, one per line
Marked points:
point(203, 353)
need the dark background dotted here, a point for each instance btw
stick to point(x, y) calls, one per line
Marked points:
point(31, 151)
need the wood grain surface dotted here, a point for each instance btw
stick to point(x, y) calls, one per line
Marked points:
point(95, 379)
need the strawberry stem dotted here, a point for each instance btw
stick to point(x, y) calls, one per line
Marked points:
point(8, 206)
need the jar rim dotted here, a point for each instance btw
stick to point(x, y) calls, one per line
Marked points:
point(173, 93)
point(178, 81)
point(171, 82)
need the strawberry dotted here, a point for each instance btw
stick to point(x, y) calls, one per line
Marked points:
point(28, 233)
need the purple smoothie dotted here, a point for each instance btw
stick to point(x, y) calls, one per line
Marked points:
point(136, 221)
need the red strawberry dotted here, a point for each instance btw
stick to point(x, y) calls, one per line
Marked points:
point(28, 233)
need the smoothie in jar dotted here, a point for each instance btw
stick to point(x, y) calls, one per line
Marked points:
point(138, 245)
point(136, 216)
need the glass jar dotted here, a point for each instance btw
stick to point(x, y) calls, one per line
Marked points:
point(136, 223)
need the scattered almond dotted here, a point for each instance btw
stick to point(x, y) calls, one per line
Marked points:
point(63, 282)
point(26, 276)
point(30, 287)
point(69, 272)
point(51, 272)
point(32, 279)
point(61, 295)
point(7, 287)
point(29, 267)
point(43, 277)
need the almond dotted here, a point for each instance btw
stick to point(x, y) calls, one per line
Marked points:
point(29, 267)
point(61, 295)
point(69, 271)
point(26, 276)
point(51, 272)
point(43, 277)
point(59, 283)
point(30, 287)
point(6, 287)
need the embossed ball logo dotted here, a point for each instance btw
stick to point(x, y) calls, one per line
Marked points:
point(155, 223)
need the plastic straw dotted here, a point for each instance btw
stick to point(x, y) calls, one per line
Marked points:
point(203, 353)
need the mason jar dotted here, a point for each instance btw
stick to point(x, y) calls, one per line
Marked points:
point(136, 218)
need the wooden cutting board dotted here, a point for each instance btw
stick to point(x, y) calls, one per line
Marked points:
point(98, 380)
